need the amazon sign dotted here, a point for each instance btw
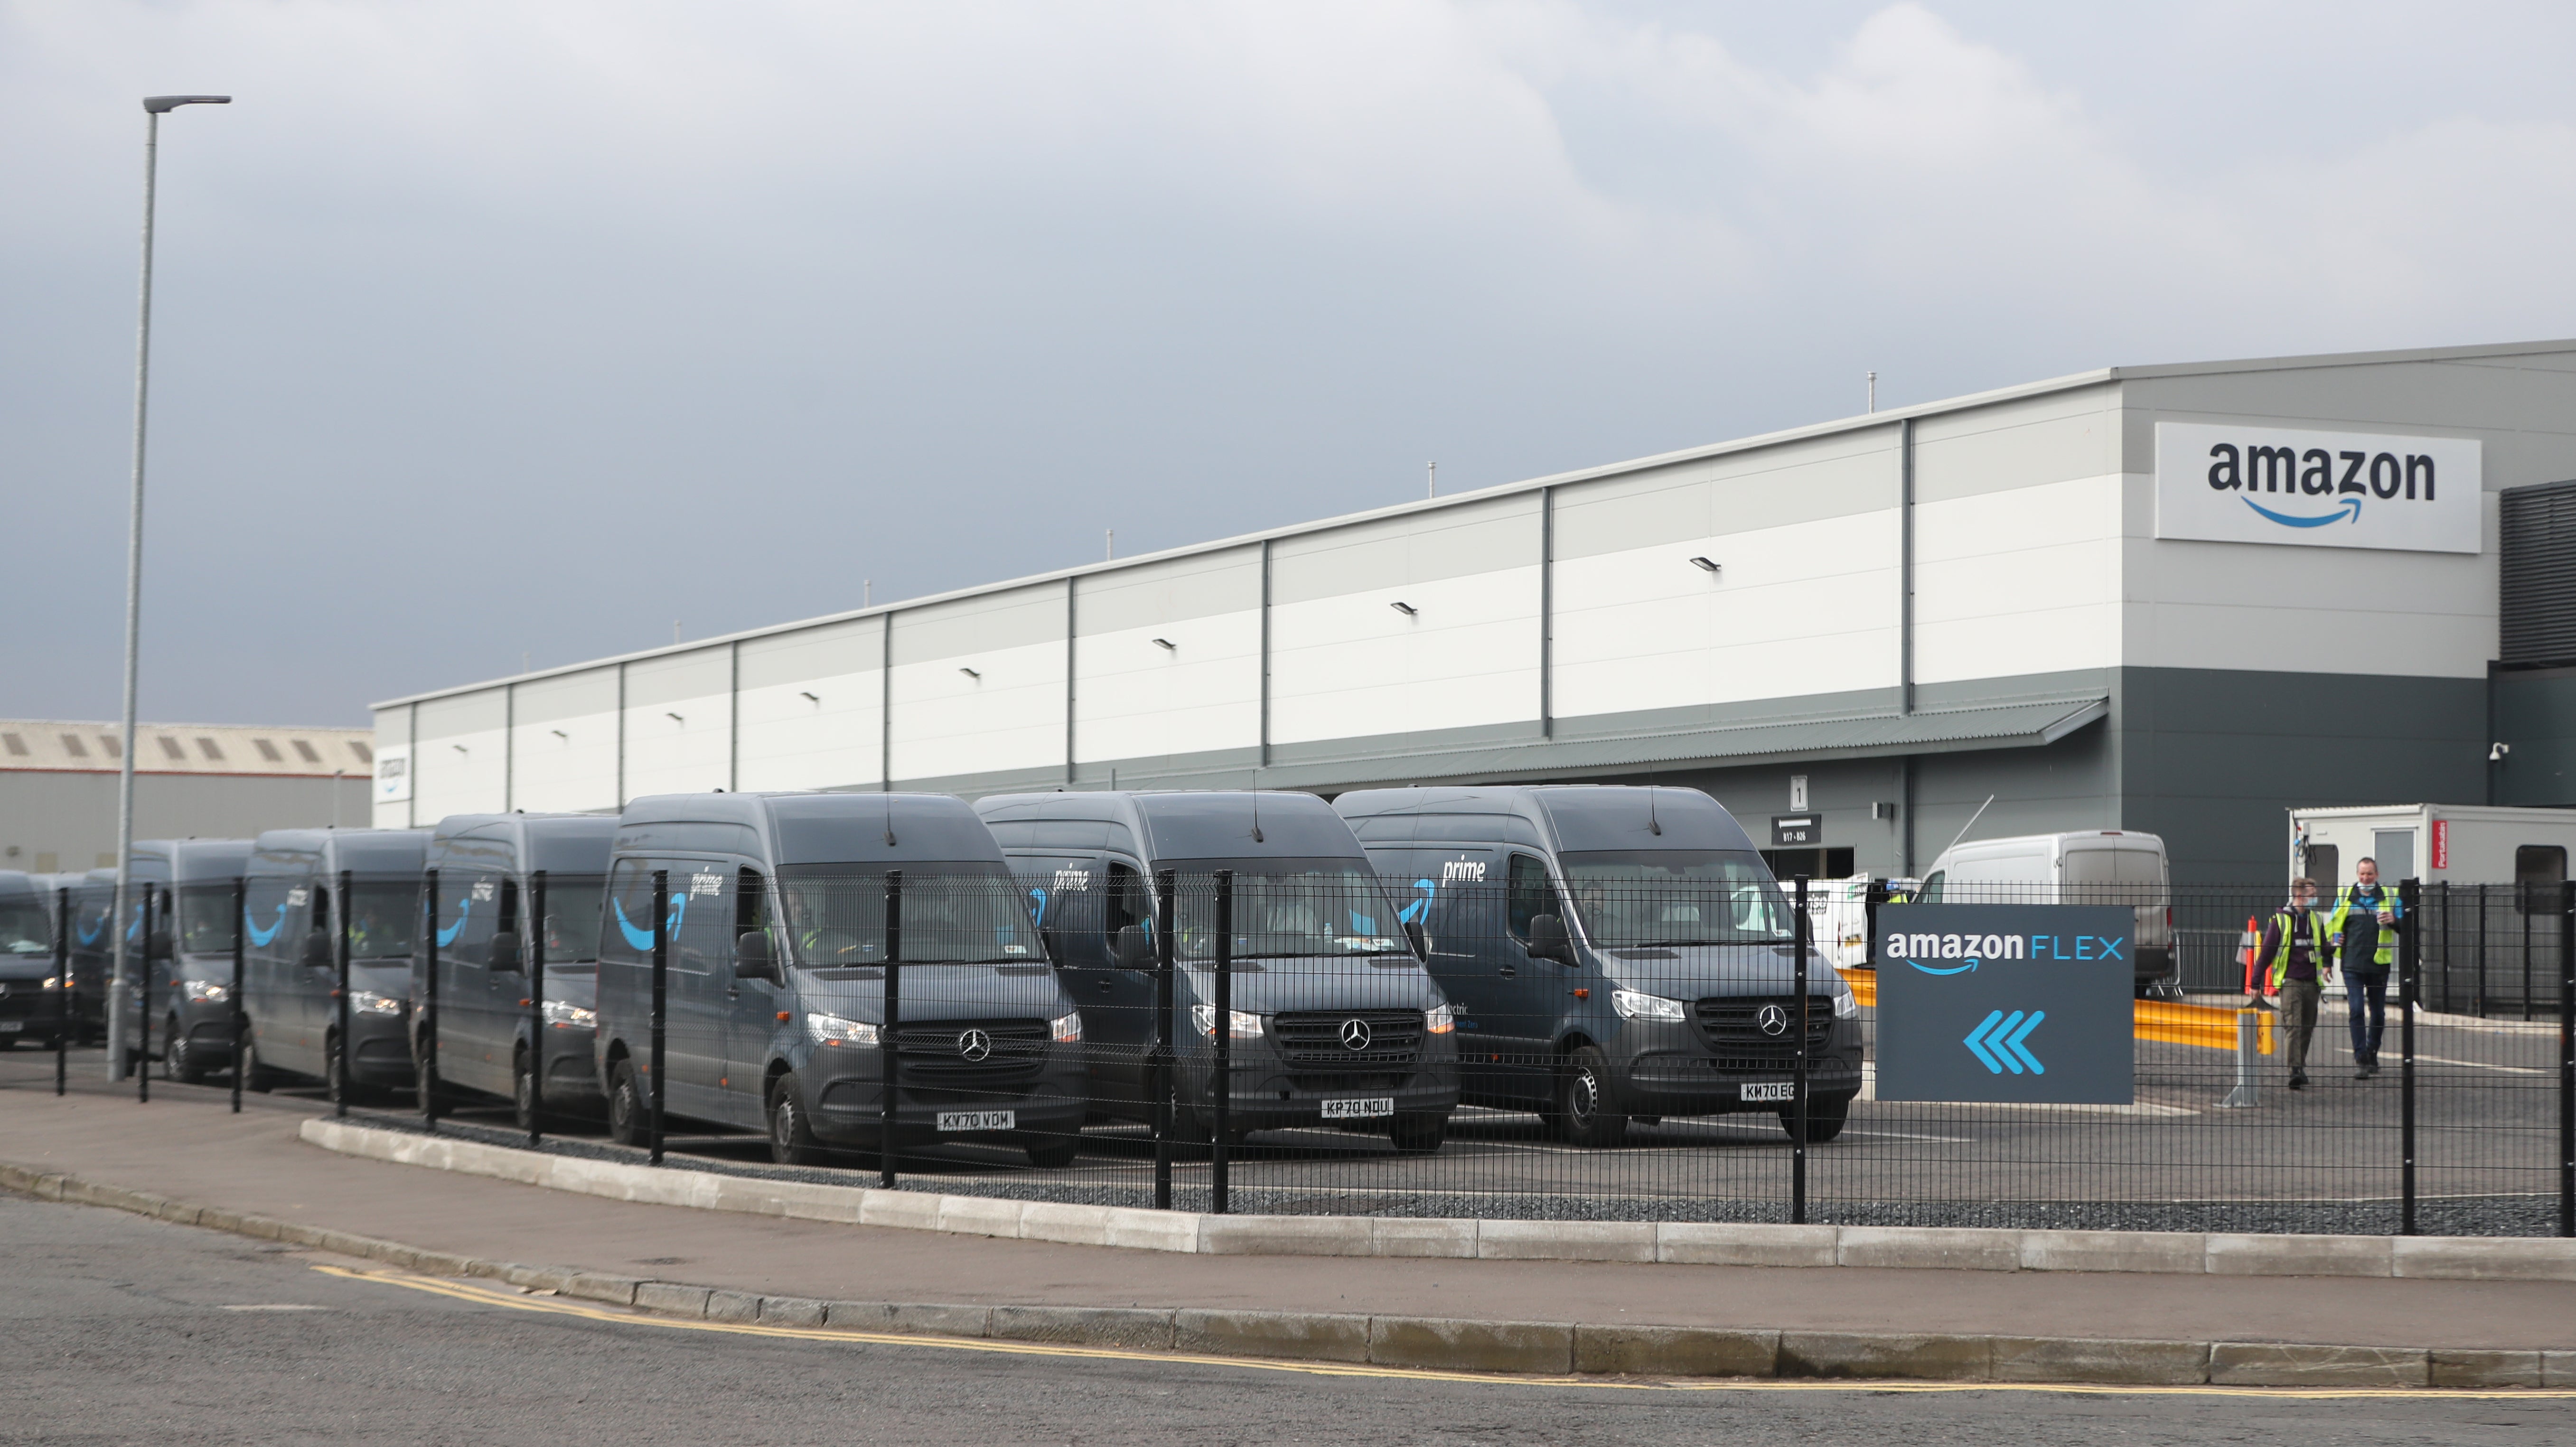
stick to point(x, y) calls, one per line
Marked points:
point(2006, 1003)
point(2228, 484)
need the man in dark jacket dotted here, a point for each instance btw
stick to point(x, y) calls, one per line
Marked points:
point(2363, 929)
point(2295, 962)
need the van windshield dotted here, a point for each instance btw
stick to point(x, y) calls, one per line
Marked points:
point(205, 919)
point(1288, 909)
point(25, 929)
point(1631, 898)
point(383, 919)
point(572, 917)
point(963, 913)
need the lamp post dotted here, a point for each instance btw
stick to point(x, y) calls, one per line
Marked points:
point(153, 108)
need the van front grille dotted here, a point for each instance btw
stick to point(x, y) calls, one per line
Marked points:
point(942, 1051)
point(1311, 1040)
point(1733, 1027)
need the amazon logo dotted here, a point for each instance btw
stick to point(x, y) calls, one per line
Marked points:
point(2300, 482)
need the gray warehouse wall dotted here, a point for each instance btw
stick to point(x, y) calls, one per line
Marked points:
point(73, 816)
point(2535, 712)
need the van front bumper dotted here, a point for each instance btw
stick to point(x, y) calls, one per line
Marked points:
point(1273, 1093)
point(1667, 1069)
point(845, 1101)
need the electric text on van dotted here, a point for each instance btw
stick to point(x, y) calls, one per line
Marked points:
point(1334, 1019)
point(777, 944)
point(295, 921)
point(1667, 989)
point(485, 865)
point(2097, 866)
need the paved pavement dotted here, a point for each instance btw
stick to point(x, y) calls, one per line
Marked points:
point(185, 1144)
point(117, 1329)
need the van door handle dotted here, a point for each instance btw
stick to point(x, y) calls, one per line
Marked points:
point(1509, 972)
point(1104, 987)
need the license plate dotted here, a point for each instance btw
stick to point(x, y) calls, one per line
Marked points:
point(1364, 1108)
point(1784, 1092)
point(12, 1027)
point(972, 1120)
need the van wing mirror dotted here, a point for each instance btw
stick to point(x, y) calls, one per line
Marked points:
point(317, 950)
point(1421, 942)
point(1135, 948)
point(1548, 939)
point(752, 959)
point(505, 952)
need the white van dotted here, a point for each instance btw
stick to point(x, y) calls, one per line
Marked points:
point(2096, 866)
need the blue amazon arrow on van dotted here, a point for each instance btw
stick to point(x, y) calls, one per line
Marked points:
point(1614, 953)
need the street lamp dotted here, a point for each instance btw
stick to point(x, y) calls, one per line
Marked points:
point(153, 108)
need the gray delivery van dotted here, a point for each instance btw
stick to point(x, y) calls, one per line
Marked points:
point(486, 936)
point(1335, 1022)
point(295, 919)
point(30, 994)
point(777, 945)
point(1613, 953)
point(192, 993)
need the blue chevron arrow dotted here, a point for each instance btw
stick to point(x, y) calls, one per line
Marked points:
point(1976, 1041)
point(2010, 1045)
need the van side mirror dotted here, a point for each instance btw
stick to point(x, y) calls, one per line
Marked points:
point(157, 945)
point(505, 953)
point(1134, 948)
point(752, 959)
point(317, 950)
point(1421, 942)
point(1548, 939)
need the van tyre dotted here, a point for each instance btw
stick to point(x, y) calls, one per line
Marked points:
point(258, 1079)
point(1583, 1115)
point(1418, 1134)
point(337, 1089)
point(791, 1135)
point(179, 1061)
point(523, 1092)
point(1826, 1116)
point(627, 1110)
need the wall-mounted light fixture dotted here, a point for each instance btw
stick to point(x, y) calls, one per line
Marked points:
point(1167, 645)
point(1407, 609)
point(460, 748)
point(675, 718)
point(970, 673)
point(2496, 752)
point(559, 733)
point(809, 698)
point(1704, 565)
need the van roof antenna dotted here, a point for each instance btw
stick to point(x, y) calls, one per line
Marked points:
point(889, 818)
point(1256, 817)
point(1653, 825)
point(1972, 823)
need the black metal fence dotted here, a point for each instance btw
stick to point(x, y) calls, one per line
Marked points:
point(1634, 1045)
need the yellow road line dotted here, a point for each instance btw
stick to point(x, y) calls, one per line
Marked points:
point(557, 1306)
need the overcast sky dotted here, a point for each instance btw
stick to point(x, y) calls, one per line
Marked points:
point(498, 329)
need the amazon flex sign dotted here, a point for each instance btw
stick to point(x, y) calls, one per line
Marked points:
point(2006, 1003)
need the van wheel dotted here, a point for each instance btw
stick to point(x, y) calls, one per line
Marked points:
point(1583, 1116)
point(523, 1091)
point(1052, 1152)
point(179, 1062)
point(1418, 1134)
point(258, 1079)
point(1826, 1116)
point(791, 1136)
point(350, 1093)
point(626, 1110)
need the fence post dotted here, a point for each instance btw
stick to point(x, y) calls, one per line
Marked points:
point(1798, 1091)
point(1163, 1076)
point(2410, 894)
point(536, 964)
point(62, 990)
point(889, 1052)
point(340, 1003)
point(661, 1001)
point(1223, 1034)
point(2478, 997)
point(241, 919)
point(428, 1032)
point(143, 1004)
point(2567, 1060)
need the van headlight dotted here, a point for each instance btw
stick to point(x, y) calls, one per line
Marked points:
point(1241, 1024)
point(1066, 1028)
point(1439, 1020)
point(368, 1002)
point(565, 1015)
point(1631, 1005)
point(207, 992)
point(1846, 1004)
point(835, 1030)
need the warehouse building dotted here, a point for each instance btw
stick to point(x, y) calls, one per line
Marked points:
point(208, 781)
point(2178, 599)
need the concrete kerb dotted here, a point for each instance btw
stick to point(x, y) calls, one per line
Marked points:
point(1696, 1243)
point(1429, 1343)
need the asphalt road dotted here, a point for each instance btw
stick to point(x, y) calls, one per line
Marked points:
point(116, 1329)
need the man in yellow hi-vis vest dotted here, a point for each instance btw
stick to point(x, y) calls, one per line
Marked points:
point(2363, 928)
point(2292, 954)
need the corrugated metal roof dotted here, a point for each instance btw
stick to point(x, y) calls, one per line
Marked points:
point(72, 746)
